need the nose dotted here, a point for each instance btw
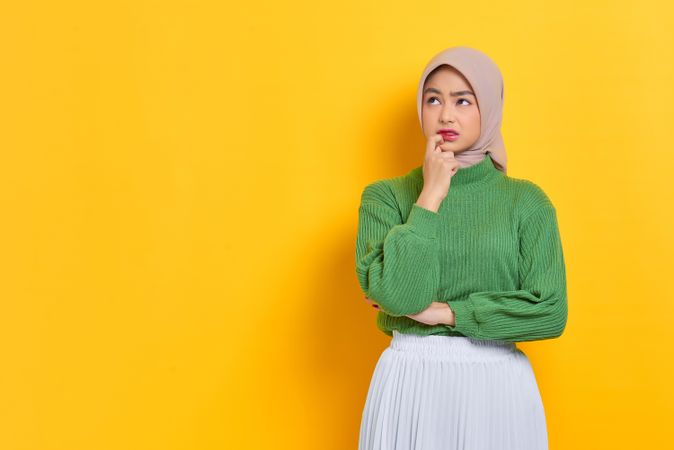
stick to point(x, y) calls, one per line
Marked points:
point(447, 114)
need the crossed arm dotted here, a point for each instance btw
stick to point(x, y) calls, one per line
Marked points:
point(389, 253)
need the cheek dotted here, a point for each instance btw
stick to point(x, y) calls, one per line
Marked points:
point(475, 122)
point(427, 117)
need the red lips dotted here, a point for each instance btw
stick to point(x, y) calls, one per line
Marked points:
point(448, 131)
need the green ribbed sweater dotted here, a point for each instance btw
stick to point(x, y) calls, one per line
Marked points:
point(492, 252)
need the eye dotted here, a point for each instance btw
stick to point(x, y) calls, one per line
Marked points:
point(431, 99)
point(463, 99)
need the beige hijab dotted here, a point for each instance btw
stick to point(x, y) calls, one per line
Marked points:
point(485, 78)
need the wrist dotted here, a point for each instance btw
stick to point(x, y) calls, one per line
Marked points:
point(429, 201)
point(450, 319)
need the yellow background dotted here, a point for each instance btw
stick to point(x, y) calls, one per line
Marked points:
point(180, 182)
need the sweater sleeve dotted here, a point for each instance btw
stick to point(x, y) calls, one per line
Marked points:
point(536, 311)
point(397, 263)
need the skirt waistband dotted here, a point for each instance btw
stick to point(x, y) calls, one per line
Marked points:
point(452, 347)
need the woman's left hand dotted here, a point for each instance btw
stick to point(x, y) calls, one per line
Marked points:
point(437, 313)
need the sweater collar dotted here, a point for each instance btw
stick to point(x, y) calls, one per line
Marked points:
point(470, 177)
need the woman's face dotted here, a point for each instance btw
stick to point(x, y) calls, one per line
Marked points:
point(449, 102)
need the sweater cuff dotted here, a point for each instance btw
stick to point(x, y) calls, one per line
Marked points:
point(464, 318)
point(424, 221)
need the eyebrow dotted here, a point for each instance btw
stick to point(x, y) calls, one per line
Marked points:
point(453, 94)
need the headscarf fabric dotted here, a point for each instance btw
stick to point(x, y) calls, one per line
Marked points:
point(485, 78)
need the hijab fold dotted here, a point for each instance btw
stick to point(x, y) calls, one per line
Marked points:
point(485, 78)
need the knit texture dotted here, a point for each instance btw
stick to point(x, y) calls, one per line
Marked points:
point(492, 252)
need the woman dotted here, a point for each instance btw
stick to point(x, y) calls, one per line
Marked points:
point(462, 261)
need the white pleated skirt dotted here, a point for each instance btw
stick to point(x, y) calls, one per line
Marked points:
point(451, 393)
